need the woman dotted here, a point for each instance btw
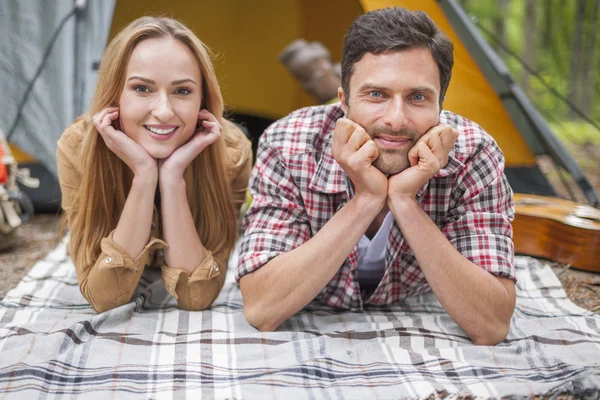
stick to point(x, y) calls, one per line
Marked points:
point(155, 175)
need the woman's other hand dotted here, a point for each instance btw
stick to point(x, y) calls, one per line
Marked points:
point(208, 132)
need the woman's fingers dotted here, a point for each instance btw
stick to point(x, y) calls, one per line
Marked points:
point(206, 116)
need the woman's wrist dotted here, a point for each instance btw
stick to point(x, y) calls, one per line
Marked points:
point(168, 179)
point(147, 178)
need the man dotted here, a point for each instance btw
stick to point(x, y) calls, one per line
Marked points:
point(351, 205)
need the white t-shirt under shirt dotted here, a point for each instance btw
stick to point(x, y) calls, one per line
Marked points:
point(371, 254)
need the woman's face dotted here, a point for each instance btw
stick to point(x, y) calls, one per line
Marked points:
point(162, 95)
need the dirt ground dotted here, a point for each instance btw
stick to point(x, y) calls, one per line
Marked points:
point(35, 240)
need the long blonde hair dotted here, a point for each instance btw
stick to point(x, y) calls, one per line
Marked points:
point(106, 179)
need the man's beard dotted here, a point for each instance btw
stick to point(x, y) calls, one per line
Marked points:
point(393, 161)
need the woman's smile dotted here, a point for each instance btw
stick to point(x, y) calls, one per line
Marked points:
point(161, 132)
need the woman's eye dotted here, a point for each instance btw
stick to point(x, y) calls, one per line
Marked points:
point(141, 89)
point(183, 91)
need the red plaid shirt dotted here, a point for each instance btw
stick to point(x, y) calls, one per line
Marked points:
point(297, 187)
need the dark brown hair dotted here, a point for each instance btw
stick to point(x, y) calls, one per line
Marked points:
point(396, 28)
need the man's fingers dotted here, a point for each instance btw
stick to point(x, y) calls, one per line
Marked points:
point(368, 151)
point(422, 155)
point(343, 131)
point(447, 135)
point(358, 138)
point(434, 143)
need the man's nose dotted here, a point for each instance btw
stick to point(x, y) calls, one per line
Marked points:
point(395, 115)
point(161, 107)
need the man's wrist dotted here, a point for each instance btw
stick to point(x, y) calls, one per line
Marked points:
point(402, 204)
point(370, 204)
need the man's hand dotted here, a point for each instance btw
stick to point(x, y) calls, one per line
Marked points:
point(426, 158)
point(355, 151)
point(132, 154)
point(208, 133)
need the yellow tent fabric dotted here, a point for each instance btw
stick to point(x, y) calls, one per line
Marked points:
point(248, 35)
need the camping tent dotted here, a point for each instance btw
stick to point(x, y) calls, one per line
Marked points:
point(64, 86)
point(247, 36)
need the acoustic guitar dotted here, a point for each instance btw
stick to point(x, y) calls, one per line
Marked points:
point(558, 230)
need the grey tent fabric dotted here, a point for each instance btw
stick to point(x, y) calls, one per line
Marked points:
point(65, 86)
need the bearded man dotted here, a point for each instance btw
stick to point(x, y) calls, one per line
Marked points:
point(383, 195)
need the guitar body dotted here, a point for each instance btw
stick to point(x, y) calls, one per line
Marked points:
point(558, 230)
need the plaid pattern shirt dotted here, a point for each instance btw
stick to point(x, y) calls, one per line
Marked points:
point(297, 187)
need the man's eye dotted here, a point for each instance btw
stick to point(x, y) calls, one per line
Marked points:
point(375, 94)
point(141, 89)
point(183, 91)
point(418, 97)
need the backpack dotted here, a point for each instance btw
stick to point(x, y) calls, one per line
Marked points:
point(15, 207)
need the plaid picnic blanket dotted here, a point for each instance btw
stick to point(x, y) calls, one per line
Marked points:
point(53, 345)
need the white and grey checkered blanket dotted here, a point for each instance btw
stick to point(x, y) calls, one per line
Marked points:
point(53, 345)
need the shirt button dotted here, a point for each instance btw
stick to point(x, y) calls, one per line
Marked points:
point(108, 260)
point(215, 267)
point(161, 253)
point(170, 289)
point(153, 225)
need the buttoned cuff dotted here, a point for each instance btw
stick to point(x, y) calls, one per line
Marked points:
point(176, 279)
point(116, 257)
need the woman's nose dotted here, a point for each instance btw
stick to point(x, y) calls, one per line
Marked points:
point(162, 108)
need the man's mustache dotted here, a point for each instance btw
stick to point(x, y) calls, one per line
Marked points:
point(404, 132)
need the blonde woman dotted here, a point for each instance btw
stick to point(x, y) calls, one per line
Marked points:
point(153, 176)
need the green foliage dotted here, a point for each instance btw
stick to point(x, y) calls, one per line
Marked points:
point(577, 133)
point(554, 29)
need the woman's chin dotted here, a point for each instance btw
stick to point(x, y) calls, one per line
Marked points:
point(159, 154)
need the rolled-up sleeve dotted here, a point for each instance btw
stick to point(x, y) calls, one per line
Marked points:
point(479, 224)
point(196, 291)
point(277, 221)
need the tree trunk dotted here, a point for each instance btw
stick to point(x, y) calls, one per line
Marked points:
point(548, 24)
point(591, 63)
point(576, 71)
point(500, 27)
point(529, 44)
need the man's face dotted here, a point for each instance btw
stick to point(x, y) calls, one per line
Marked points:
point(394, 96)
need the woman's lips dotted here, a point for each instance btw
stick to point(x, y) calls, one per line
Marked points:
point(161, 132)
point(392, 142)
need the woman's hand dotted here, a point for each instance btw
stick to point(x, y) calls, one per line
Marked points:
point(132, 154)
point(209, 132)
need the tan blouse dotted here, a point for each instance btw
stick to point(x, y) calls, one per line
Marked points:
point(112, 279)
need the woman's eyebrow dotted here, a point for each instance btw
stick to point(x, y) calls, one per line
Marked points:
point(177, 82)
point(141, 79)
point(180, 81)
